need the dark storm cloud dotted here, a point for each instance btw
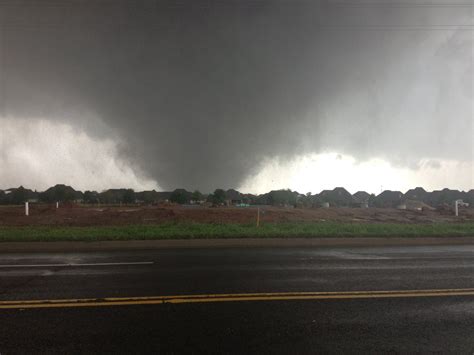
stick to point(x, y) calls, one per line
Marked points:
point(202, 91)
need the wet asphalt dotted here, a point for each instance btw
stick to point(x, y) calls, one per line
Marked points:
point(418, 324)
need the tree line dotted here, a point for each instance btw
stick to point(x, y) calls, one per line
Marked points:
point(338, 197)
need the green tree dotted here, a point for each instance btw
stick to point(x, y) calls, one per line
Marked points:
point(282, 197)
point(196, 196)
point(128, 196)
point(218, 197)
point(179, 196)
point(18, 196)
point(61, 193)
point(91, 197)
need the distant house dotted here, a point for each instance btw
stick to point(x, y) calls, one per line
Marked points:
point(417, 205)
point(388, 199)
point(445, 197)
point(470, 197)
point(180, 196)
point(417, 194)
point(361, 199)
point(15, 196)
point(338, 197)
point(233, 197)
point(61, 193)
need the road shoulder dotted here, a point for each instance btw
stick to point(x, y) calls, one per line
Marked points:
point(228, 243)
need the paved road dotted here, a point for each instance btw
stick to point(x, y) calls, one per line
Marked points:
point(345, 311)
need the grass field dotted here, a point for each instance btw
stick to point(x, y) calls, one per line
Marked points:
point(208, 231)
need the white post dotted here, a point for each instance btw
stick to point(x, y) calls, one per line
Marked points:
point(456, 209)
point(57, 205)
point(27, 209)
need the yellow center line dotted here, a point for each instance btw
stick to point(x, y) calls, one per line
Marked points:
point(237, 297)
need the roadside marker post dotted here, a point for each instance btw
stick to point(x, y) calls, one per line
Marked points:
point(57, 205)
point(458, 203)
point(27, 209)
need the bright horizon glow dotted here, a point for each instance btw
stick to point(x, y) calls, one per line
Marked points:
point(316, 172)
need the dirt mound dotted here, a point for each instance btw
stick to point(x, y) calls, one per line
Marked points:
point(45, 215)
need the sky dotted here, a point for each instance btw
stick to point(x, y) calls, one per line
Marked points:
point(254, 95)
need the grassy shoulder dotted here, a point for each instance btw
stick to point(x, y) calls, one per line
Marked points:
point(213, 231)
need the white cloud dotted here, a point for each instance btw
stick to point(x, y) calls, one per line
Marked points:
point(40, 153)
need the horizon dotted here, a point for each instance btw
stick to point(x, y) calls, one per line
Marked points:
point(234, 189)
point(256, 94)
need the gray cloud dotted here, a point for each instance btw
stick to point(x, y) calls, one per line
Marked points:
point(202, 91)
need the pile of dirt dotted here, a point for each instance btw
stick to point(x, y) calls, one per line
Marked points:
point(44, 215)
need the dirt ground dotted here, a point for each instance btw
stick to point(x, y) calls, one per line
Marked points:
point(44, 215)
